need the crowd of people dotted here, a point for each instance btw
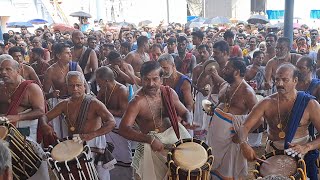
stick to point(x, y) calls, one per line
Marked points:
point(142, 90)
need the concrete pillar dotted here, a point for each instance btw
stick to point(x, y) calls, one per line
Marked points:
point(100, 9)
point(288, 20)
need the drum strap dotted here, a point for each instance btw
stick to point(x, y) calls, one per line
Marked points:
point(17, 96)
point(169, 105)
point(83, 113)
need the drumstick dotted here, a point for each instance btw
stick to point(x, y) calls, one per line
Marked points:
point(262, 160)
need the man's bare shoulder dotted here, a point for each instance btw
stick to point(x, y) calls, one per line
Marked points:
point(28, 68)
point(52, 68)
point(34, 87)
point(122, 88)
point(138, 98)
point(272, 61)
point(198, 67)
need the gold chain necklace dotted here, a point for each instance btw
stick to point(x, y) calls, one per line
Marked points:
point(228, 104)
point(61, 69)
point(12, 92)
point(282, 134)
point(72, 125)
point(156, 129)
point(105, 95)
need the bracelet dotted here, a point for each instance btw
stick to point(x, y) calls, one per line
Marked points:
point(152, 140)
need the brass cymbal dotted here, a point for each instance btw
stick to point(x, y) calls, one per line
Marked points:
point(211, 64)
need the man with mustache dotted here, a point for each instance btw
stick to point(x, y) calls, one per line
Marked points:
point(184, 61)
point(236, 99)
point(86, 57)
point(270, 45)
point(256, 72)
point(282, 56)
point(200, 117)
point(288, 114)
point(176, 80)
point(306, 67)
point(157, 126)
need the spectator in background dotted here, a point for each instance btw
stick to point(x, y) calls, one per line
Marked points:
point(241, 40)
point(125, 48)
point(234, 50)
point(39, 31)
point(171, 46)
point(24, 30)
point(197, 38)
point(155, 51)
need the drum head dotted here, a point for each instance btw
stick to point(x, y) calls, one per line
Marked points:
point(3, 132)
point(283, 165)
point(190, 156)
point(66, 151)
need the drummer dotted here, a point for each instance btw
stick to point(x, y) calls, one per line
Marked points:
point(148, 110)
point(236, 99)
point(85, 115)
point(22, 103)
point(115, 97)
point(288, 114)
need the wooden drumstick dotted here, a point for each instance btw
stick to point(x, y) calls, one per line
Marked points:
point(262, 160)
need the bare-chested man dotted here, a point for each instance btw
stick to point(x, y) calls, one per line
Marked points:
point(54, 84)
point(86, 57)
point(288, 114)
point(91, 126)
point(115, 97)
point(282, 56)
point(137, 57)
point(22, 103)
point(123, 71)
point(306, 67)
point(176, 80)
point(27, 72)
point(184, 61)
point(148, 110)
point(40, 66)
point(200, 117)
point(221, 56)
point(37, 43)
point(236, 99)
point(271, 40)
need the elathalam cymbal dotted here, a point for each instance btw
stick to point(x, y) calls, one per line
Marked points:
point(211, 64)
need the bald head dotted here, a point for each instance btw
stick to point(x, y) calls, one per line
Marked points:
point(288, 68)
point(76, 33)
point(105, 73)
point(78, 39)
